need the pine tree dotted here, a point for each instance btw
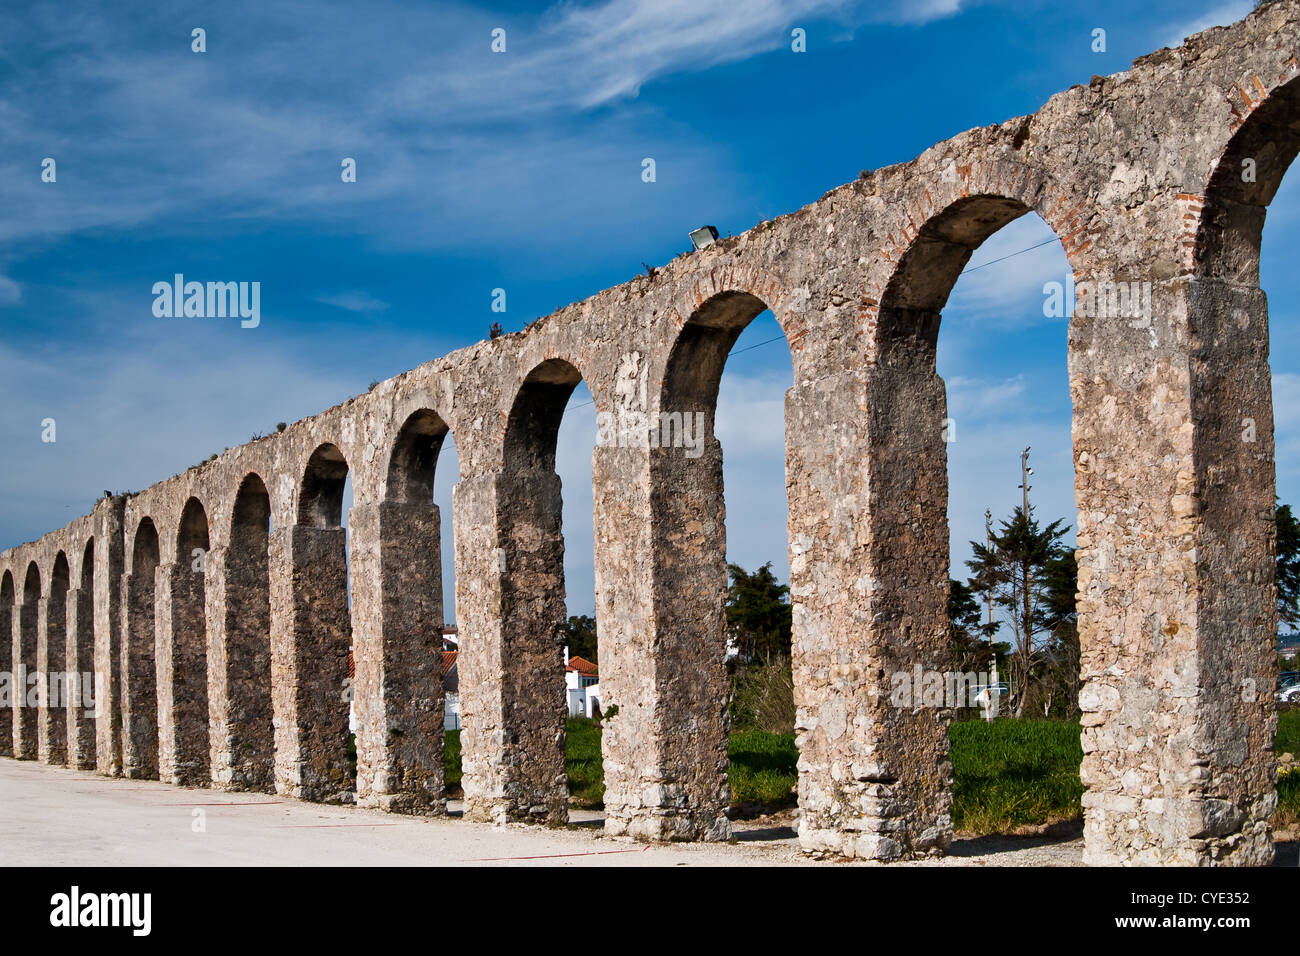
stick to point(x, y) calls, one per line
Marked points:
point(758, 613)
point(1288, 567)
point(1016, 569)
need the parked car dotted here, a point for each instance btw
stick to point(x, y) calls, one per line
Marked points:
point(1288, 687)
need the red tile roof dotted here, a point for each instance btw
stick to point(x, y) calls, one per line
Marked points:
point(448, 661)
point(583, 666)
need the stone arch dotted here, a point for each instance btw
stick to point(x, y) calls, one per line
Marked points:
point(239, 642)
point(521, 638)
point(311, 637)
point(83, 683)
point(737, 285)
point(52, 734)
point(27, 667)
point(680, 737)
point(939, 225)
point(414, 457)
point(397, 633)
point(183, 738)
point(320, 498)
point(533, 423)
point(902, 789)
point(139, 671)
point(1227, 506)
point(1222, 229)
point(7, 617)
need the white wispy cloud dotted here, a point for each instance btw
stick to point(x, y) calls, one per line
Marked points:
point(353, 301)
point(976, 399)
point(450, 139)
point(1219, 16)
point(11, 293)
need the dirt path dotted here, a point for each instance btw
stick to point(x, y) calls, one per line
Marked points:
point(59, 817)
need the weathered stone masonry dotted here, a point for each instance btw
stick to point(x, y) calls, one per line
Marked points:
point(213, 606)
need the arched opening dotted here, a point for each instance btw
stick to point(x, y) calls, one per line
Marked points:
point(724, 615)
point(931, 669)
point(574, 463)
point(139, 676)
point(25, 742)
point(399, 699)
point(320, 504)
point(10, 704)
point(81, 684)
point(183, 661)
point(1248, 387)
point(52, 661)
point(243, 744)
point(313, 752)
point(529, 703)
point(1014, 654)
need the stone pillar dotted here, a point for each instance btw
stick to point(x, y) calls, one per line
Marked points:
point(79, 715)
point(661, 607)
point(510, 605)
point(865, 464)
point(139, 677)
point(182, 676)
point(51, 652)
point(242, 746)
point(25, 630)
point(1173, 444)
point(397, 627)
point(109, 621)
point(310, 635)
point(8, 665)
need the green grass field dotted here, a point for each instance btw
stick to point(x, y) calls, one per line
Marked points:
point(1006, 775)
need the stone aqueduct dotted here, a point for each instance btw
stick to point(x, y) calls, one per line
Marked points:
point(231, 677)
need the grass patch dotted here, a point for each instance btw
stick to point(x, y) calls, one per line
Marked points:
point(762, 768)
point(1006, 774)
point(1288, 730)
point(451, 761)
point(583, 764)
point(1014, 773)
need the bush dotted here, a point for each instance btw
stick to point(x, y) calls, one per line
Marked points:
point(762, 697)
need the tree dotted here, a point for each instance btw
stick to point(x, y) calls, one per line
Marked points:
point(580, 635)
point(1015, 568)
point(1059, 680)
point(966, 630)
point(758, 613)
point(1288, 567)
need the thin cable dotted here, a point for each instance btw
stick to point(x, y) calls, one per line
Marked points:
point(1010, 255)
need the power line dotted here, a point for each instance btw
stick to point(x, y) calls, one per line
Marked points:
point(778, 338)
point(1009, 255)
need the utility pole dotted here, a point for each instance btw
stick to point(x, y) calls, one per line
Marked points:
point(994, 690)
point(1027, 622)
point(1025, 472)
point(988, 543)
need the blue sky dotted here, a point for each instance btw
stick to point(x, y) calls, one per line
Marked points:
point(519, 170)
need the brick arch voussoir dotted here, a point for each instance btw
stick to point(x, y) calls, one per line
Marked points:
point(1243, 96)
point(593, 373)
point(1075, 220)
point(787, 303)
